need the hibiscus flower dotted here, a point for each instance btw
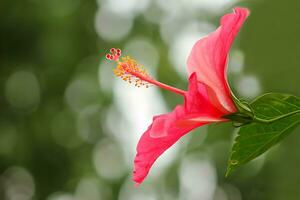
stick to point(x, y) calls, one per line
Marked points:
point(207, 100)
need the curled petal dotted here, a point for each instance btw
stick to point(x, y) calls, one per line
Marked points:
point(208, 59)
point(197, 100)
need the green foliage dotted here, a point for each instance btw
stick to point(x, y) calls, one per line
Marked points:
point(275, 116)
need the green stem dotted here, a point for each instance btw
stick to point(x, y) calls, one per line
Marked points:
point(276, 118)
point(241, 105)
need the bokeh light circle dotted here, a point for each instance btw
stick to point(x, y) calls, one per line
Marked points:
point(111, 26)
point(18, 184)
point(80, 93)
point(125, 7)
point(248, 86)
point(22, 90)
point(108, 160)
point(198, 179)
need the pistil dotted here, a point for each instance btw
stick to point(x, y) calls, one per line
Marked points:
point(131, 71)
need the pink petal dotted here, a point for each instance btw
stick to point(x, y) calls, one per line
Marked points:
point(168, 128)
point(208, 59)
point(150, 148)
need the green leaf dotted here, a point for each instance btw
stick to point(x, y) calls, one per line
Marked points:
point(276, 115)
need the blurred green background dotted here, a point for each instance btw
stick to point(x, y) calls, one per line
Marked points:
point(68, 127)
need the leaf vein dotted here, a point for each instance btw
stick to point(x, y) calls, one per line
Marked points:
point(271, 140)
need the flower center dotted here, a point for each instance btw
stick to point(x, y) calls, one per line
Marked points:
point(131, 71)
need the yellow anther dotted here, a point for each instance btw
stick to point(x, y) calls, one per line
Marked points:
point(131, 71)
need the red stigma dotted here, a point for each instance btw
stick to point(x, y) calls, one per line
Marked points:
point(108, 56)
point(115, 54)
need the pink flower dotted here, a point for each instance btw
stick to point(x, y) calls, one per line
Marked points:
point(208, 97)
